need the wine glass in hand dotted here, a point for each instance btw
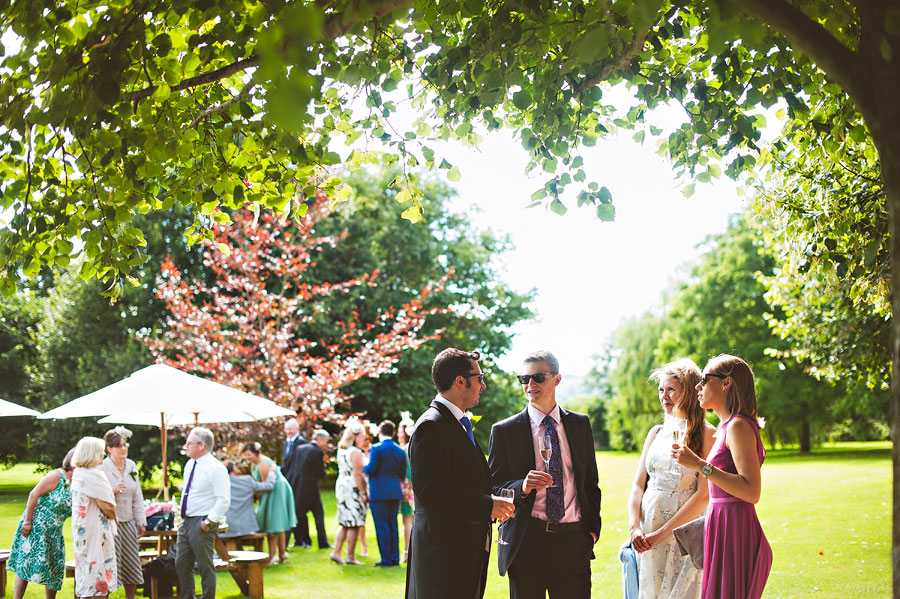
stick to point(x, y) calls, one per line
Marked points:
point(546, 449)
point(505, 495)
point(679, 430)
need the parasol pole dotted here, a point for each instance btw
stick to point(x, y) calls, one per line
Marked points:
point(165, 460)
point(196, 419)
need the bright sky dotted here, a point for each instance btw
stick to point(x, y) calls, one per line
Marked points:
point(589, 275)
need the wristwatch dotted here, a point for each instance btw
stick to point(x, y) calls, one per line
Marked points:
point(706, 470)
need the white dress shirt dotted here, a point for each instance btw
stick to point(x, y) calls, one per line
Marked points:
point(570, 499)
point(454, 409)
point(210, 492)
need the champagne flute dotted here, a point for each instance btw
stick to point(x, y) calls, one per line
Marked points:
point(507, 495)
point(546, 449)
point(679, 430)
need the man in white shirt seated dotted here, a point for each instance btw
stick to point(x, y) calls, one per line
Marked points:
point(204, 501)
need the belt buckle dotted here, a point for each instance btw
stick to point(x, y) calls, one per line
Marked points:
point(551, 527)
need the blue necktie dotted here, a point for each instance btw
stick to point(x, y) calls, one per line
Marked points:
point(467, 424)
point(555, 494)
point(287, 447)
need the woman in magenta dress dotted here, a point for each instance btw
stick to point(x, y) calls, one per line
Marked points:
point(736, 555)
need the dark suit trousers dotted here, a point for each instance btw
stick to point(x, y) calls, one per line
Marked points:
point(558, 562)
point(384, 513)
point(301, 532)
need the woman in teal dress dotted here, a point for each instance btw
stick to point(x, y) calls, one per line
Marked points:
point(38, 549)
point(275, 513)
point(407, 506)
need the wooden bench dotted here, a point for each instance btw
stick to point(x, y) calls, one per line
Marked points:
point(254, 539)
point(4, 557)
point(148, 542)
point(245, 567)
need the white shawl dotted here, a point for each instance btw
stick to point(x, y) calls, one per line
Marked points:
point(93, 483)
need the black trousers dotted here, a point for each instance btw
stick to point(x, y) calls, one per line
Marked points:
point(558, 563)
point(301, 531)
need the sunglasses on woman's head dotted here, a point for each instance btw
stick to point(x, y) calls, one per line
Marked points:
point(704, 378)
point(539, 377)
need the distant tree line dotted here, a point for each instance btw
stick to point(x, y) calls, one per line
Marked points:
point(817, 343)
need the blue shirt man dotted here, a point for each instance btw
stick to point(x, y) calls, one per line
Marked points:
point(386, 469)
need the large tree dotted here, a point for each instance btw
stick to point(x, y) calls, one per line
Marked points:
point(110, 108)
point(248, 328)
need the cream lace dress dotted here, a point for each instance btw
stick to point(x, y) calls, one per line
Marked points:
point(662, 572)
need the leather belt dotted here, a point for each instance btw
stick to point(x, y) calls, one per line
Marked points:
point(546, 526)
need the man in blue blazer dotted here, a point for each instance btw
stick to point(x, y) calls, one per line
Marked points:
point(386, 469)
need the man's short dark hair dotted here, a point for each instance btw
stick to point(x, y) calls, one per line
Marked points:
point(450, 364)
point(543, 356)
point(387, 428)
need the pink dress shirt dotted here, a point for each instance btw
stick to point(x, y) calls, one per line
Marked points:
point(570, 499)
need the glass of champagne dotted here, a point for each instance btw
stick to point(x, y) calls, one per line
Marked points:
point(546, 449)
point(509, 496)
point(679, 428)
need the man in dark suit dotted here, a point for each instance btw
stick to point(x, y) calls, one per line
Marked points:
point(290, 467)
point(557, 522)
point(386, 470)
point(310, 458)
point(451, 535)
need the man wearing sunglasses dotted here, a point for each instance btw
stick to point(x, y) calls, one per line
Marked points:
point(450, 541)
point(557, 521)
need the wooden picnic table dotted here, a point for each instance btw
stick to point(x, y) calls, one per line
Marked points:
point(4, 557)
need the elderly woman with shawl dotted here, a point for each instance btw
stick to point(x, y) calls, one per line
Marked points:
point(93, 522)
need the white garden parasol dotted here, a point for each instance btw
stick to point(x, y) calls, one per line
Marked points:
point(163, 396)
point(8, 408)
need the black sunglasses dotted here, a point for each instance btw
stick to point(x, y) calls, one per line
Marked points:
point(539, 377)
point(480, 376)
point(704, 378)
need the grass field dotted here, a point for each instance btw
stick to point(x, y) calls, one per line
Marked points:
point(827, 516)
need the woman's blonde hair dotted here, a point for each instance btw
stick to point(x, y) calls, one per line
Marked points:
point(741, 397)
point(353, 428)
point(88, 452)
point(687, 373)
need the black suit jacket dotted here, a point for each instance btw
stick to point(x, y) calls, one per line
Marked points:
point(448, 556)
point(310, 462)
point(291, 466)
point(512, 456)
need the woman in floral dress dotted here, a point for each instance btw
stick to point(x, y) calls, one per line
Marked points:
point(39, 550)
point(350, 490)
point(93, 522)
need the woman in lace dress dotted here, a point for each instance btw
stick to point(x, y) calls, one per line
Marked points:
point(350, 492)
point(663, 495)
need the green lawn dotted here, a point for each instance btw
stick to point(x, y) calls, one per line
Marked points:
point(827, 516)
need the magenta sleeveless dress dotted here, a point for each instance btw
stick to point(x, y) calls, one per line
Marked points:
point(736, 555)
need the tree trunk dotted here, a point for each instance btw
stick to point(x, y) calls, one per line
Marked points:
point(886, 135)
point(804, 428)
point(890, 172)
